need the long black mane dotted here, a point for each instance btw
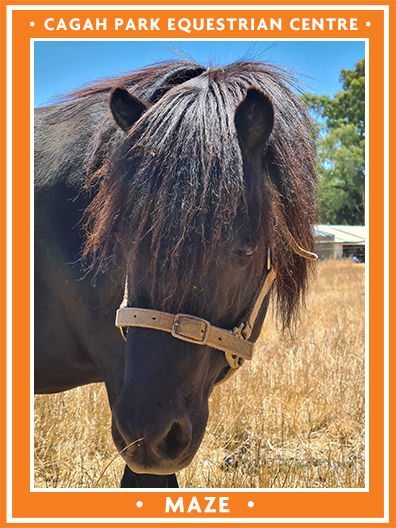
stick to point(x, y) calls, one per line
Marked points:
point(177, 184)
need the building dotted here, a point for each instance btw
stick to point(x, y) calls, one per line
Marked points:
point(340, 241)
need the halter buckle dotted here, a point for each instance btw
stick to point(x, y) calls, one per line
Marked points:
point(191, 329)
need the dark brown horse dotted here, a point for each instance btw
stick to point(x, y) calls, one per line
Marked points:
point(186, 181)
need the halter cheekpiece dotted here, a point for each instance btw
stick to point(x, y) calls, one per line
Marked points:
point(234, 343)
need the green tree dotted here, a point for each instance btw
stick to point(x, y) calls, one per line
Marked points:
point(341, 147)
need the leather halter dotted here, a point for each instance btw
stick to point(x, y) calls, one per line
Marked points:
point(235, 344)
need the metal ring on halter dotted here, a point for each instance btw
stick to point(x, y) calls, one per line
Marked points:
point(233, 361)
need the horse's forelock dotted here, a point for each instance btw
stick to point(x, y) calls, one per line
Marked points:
point(180, 182)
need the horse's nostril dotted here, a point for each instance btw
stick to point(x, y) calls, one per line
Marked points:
point(176, 440)
point(172, 440)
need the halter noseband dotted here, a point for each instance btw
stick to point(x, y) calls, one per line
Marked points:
point(235, 344)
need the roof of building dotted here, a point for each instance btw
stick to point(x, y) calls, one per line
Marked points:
point(343, 234)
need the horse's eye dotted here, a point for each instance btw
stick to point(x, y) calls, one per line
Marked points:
point(245, 250)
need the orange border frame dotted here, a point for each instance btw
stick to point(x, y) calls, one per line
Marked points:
point(36, 505)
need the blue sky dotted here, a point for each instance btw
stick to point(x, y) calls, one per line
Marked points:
point(62, 66)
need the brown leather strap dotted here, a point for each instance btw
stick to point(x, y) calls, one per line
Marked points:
point(187, 328)
point(246, 328)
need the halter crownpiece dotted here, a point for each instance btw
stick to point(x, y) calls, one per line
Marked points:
point(234, 343)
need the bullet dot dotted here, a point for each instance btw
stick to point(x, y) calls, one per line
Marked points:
point(139, 504)
point(368, 23)
point(32, 23)
point(250, 504)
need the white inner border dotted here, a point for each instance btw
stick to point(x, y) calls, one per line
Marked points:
point(10, 9)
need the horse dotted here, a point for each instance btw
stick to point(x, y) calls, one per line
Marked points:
point(187, 194)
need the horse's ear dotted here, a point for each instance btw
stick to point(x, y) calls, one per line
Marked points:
point(254, 120)
point(125, 107)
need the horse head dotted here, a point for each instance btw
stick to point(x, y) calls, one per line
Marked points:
point(193, 204)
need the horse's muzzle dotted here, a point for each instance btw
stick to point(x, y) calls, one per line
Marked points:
point(161, 449)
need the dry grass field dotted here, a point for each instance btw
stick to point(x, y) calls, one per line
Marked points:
point(293, 417)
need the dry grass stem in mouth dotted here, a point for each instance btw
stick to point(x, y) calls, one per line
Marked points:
point(114, 458)
point(293, 417)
